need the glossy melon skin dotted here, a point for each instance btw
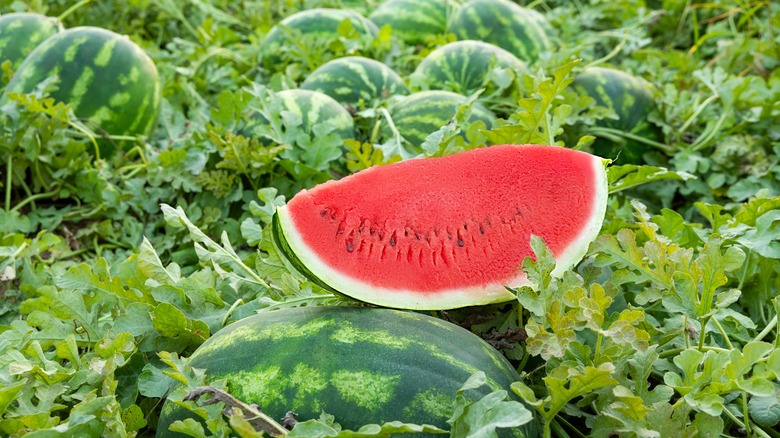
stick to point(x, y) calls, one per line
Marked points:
point(519, 30)
point(446, 232)
point(414, 20)
point(418, 115)
point(362, 365)
point(631, 99)
point(22, 32)
point(353, 79)
point(313, 24)
point(107, 79)
point(464, 66)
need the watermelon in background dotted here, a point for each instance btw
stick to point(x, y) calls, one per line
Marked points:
point(353, 79)
point(463, 66)
point(519, 30)
point(305, 114)
point(309, 27)
point(632, 101)
point(22, 32)
point(418, 115)
point(108, 80)
point(361, 365)
point(312, 107)
point(414, 20)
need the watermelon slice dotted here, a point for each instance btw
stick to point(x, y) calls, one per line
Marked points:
point(442, 233)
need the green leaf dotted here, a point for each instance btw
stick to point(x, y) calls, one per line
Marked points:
point(765, 237)
point(765, 411)
point(565, 384)
point(168, 320)
point(151, 266)
point(708, 425)
point(629, 176)
point(539, 118)
point(483, 417)
point(8, 394)
point(133, 418)
point(189, 427)
point(629, 412)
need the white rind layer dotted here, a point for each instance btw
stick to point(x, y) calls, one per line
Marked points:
point(572, 255)
point(448, 298)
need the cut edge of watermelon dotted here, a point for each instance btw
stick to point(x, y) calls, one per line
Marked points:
point(319, 272)
point(573, 253)
point(322, 274)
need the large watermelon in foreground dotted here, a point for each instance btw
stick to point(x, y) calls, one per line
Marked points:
point(449, 232)
point(362, 365)
point(106, 78)
point(632, 101)
point(20, 34)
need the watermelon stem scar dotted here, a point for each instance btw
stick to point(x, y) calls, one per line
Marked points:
point(448, 232)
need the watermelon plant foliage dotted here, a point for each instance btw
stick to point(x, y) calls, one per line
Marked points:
point(114, 269)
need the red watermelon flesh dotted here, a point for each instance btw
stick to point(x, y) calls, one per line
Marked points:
point(448, 232)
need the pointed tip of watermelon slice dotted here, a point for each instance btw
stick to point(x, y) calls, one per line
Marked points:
point(448, 232)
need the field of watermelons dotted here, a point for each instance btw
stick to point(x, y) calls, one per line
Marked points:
point(325, 218)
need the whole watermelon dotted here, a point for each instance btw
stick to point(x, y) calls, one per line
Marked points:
point(418, 115)
point(464, 66)
point(631, 99)
point(20, 33)
point(108, 80)
point(308, 27)
point(353, 79)
point(413, 21)
point(361, 365)
point(312, 107)
point(521, 31)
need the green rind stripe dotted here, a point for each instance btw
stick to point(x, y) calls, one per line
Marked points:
point(413, 20)
point(362, 365)
point(420, 114)
point(21, 33)
point(315, 107)
point(630, 98)
point(504, 24)
point(312, 107)
point(320, 23)
point(464, 66)
point(108, 79)
point(350, 79)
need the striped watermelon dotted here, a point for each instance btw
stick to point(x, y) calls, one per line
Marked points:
point(20, 33)
point(108, 80)
point(504, 24)
point(631, 99)
point(354, 78)
point(313, 25)
point(418, 115)
point(312, 107)
point(362, 365)
point(463, 66)
point(414, 20)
